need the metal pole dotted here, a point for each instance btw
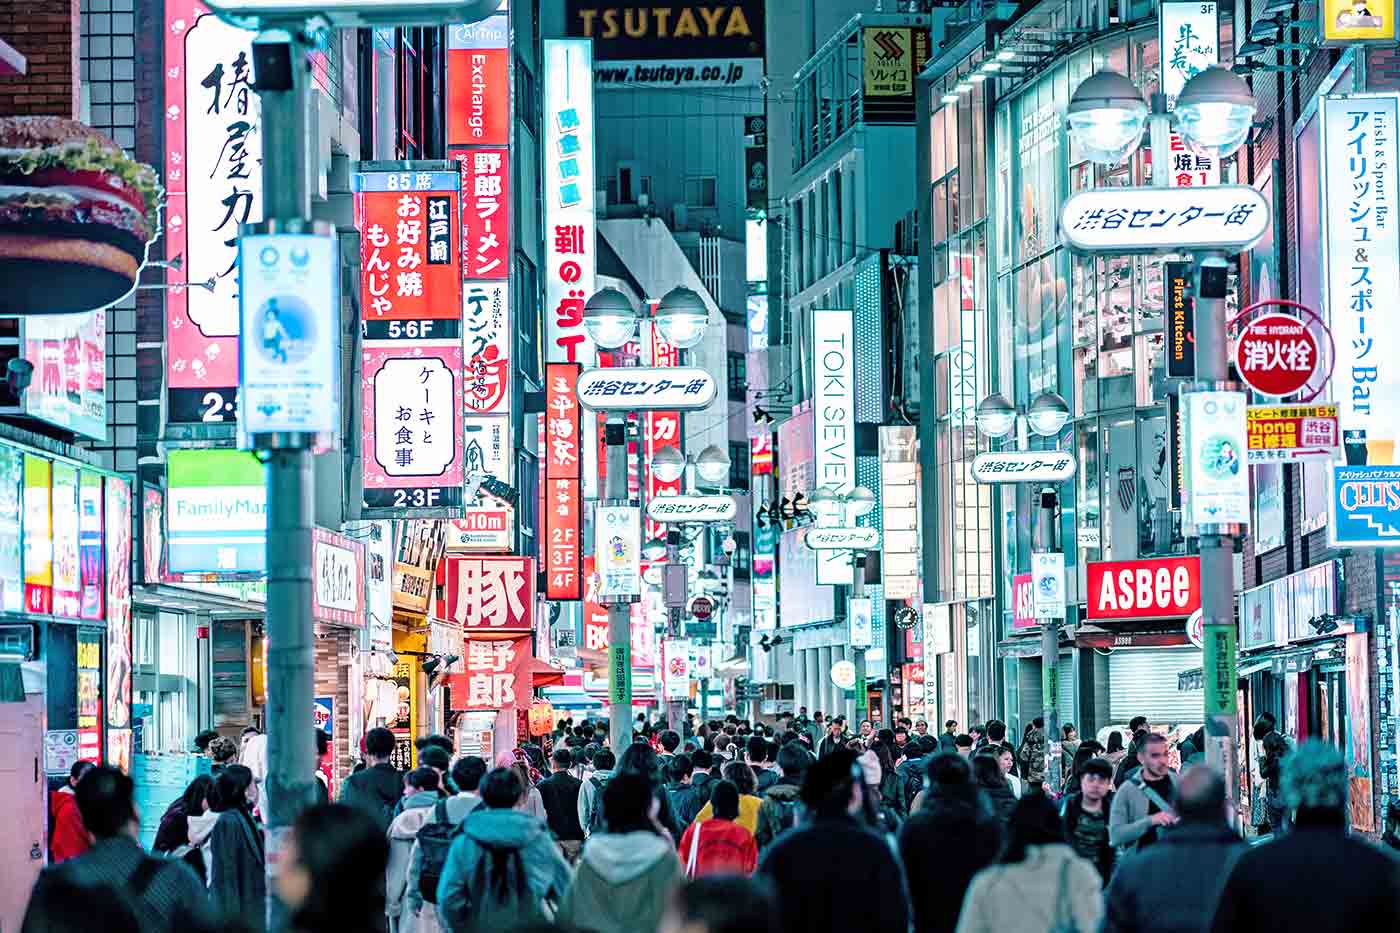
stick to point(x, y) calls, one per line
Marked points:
point(1217, 545)
point(281, 75)
point(1049, 651)
point(858, 653)
point(619, 613)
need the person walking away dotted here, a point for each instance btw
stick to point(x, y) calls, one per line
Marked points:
point(685, 797)
point(1145, 895)
point(420, 796)
point(1315, 877)
point(435, 838)
point(880, 813)
point(560, 792)
point(1273, 815)
point(947, 842)
point(223, 751)
point(891, 787)
point(721, 904)
point(68, 837)
point(986, 770)
point(1142, 804)
point(237, 866)
point(503, 868)
point(782, 803)
point(165, 895)
point(590, 796)
point(627, 873)
point(640, 758)
point(742, 777)
point(330, 872)
point(1085, 816)
point(760, 755)
point(1039, 885)
point(700, 778)
point(531, 801)
point(1032, 754)
point(182, 820)
point(911, 769)
point(816, 867)
point(719, 845)
point(1137, 730)
point(375, 790)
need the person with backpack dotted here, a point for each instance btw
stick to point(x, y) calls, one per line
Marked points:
point(685, 797)
point(1142, 805)
point(503, 869)
point(700, 778)
point(782, 803)
point(629, 871)
point(375, 790)
point(590, 794)
point(560, 792)
point(420, 797)
point(720, 845)
point(163, 894)
point(435, 838)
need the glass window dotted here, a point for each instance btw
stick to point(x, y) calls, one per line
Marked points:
point(166, 681)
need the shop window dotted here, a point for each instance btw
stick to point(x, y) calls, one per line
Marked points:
point(1158, 527)
point(1151, 371)
point(700, 191)
point(1089, 504)
point(738, 464)
point(166, 681)
point(738, 377)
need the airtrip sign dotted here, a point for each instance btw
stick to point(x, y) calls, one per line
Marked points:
point(1158, 588)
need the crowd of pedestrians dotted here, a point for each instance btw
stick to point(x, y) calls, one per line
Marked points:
point(732, 827)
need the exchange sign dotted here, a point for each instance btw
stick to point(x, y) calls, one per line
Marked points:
point(1023, 466)
point(642, 388)
point(1145, 220)
point(1289, 433)
point(1276, 354)
point(692, 509)
point(843, 539)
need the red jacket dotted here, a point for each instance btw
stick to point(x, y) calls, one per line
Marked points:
point(725, 847)
point(70, 837)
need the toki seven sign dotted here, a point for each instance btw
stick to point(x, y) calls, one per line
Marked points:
point(643, 388)
point(1147, 220)
point(692, 509)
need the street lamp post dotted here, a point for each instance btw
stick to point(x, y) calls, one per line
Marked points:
point(612, 320)
point(1214, 113)
point(1047, 416)
point(827, 503)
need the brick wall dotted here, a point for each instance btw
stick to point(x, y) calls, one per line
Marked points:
point(45, 32)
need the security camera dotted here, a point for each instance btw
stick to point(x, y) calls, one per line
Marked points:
point(19, 373)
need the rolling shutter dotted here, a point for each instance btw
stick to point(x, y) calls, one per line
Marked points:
point(1143, 681)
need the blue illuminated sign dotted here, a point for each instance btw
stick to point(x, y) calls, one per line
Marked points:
point(1365, 504)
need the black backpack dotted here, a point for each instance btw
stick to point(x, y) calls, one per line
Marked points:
point(434, 840)
point(596, 823)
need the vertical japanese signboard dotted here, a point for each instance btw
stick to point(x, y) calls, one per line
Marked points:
point(1188, 34)
point(338, 566)
point(899, 510)
point(497, 675)
point(1360, 243)
point(213, 183)
point(12, 509)
point(90, 694)
point(488, 594)
point(663, 429)
point(413, 367)
point(67, 578)
point(568, 179)
point(478, 66)
point(1181, 321)
point(563, 506)
point(118, 545)
point(90, 563)
point(834, 403)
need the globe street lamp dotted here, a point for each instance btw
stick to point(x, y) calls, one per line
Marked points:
point(712, 465)
point(668, 464)
point(610, 319)
point(1107, 117)
point(682, 317)
point(1215, 112)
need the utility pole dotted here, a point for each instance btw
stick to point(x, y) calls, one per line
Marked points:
point(1049, 649)
point(1217, 542)
point(619, 608)
point(281, 73)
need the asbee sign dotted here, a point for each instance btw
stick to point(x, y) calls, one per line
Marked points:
point(843, 539)
point(1146, 220)
point(1023, 466)
point(643, 388)
point(1158, 588)
point(692, 509)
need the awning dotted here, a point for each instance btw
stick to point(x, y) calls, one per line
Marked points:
point(544, 675)
point(737, 666)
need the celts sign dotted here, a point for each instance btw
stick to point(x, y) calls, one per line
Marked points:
point(1146, 220)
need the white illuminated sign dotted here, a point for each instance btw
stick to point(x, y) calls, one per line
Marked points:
point(617, 550)
point(1215, 477)
point(415, 385)
point(861, 623)
point(843, 539)
point(692, 509)
point(644, 388)
point(1023, 466)
point(1188, 36)
point(1145, 220)
point(833, 354)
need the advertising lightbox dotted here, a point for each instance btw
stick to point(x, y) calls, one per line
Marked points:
point(216, 513)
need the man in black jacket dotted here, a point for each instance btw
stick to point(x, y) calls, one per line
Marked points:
point(832, 873)
point(1314, 877)
point(1085, 816)
point(375, 790)
point(1146, 893)
point(560, 793)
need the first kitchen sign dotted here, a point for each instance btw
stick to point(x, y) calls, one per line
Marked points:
point(1158, 588)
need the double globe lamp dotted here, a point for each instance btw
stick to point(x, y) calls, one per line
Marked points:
point(1108, 115)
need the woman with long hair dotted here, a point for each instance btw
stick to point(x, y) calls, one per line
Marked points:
point(641, 759)
point(1115, 751)
point(986, 771)
point(1039, 886)
point(332, 871)
point(237, 867)
point(531, 801)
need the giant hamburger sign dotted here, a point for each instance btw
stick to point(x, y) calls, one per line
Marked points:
point(76, 216)
point(1158, 588)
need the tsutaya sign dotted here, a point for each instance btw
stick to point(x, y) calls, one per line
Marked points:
point(643, 388)
point(1023, 466)
point(692, 509)
point(1146, 220)
point(843, 539)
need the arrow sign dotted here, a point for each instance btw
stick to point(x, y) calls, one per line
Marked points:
point(692, 509)
point(646, 388)
point(843, 539)
point(1146, 220)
